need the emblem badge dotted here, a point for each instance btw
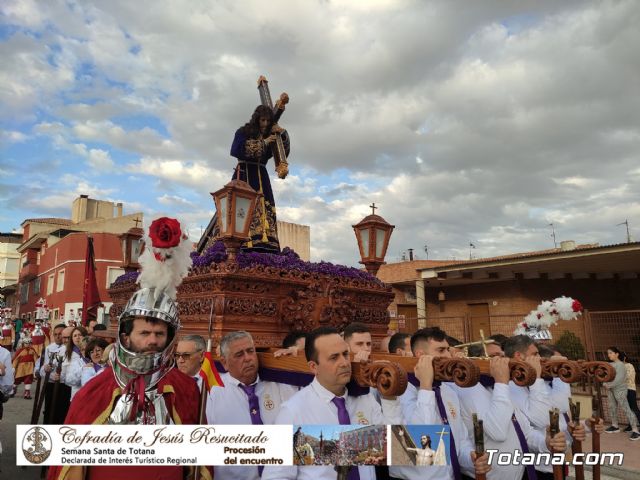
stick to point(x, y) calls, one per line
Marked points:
point(36, 445)
point(452, 410)
point(362, 420)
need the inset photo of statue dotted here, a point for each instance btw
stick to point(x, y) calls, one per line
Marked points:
point(420, 445)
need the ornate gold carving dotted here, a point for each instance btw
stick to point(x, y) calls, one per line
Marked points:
point(282, 300)
point(250, 306)
point(254, 148)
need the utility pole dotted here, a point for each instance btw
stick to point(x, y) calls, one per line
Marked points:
point(553, 235)
point(626, 222)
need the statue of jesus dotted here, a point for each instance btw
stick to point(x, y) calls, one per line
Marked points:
point(425, 454)
point(253, 145)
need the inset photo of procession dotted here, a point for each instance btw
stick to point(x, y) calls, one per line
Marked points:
point(339, 445)
point(420, 445)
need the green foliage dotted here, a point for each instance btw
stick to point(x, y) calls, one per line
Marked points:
point(570, 344)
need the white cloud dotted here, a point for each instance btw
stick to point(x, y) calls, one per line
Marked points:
point(100, 160)
point(13, 136)
point(175, 200)
point(193, 174)
point(485, 126)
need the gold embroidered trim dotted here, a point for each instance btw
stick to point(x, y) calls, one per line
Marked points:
point(253, 148)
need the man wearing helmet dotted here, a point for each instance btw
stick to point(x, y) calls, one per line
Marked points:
point(140, 384)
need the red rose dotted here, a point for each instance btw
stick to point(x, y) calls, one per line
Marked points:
point(576, 306)
point(165, 232)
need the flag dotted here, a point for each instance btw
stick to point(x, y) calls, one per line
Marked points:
point(209, 372)
point(440, 457)
point(90, 293)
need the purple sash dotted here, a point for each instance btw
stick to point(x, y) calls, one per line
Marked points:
point(443, 415)
point(531, 471)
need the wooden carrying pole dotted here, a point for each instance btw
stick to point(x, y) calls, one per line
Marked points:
point(465, 372)
point(39, 398)
point(576, 445)
point(595, 446)
point(204, 392)
point(478, 437)
point(554, 429)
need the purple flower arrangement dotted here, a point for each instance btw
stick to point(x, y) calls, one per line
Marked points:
point(126, 278)
point(216, 253)
point(285, 260)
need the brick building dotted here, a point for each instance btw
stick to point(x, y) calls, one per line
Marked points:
point(494, 294)
point(53, 252)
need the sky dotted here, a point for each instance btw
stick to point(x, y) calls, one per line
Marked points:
point(465, 122)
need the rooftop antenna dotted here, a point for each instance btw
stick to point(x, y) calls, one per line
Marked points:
point(471, 247)
point(553, 235)
point(426, 250)
point(626, 222)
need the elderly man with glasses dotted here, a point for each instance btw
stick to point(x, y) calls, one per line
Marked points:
point(245, 399)
point(189, 356)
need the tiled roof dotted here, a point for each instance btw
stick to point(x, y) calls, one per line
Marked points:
point(51, 221)
point(407, 271)
point(538, 253)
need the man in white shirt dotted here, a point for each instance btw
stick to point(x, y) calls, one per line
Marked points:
point(400, 344)
point(6, 372)
point(326, 402)
point(244, 399)
point(189, 356)
point(358, 338)
point(57, 347)
point(436, 405)
point(506, 429)
point(534, 401)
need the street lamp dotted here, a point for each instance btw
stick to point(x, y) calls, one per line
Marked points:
point(235, 205)
point(373, 234)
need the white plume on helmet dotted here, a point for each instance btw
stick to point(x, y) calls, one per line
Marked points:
point(536, 324)
point(164, 268)
point(164, 263)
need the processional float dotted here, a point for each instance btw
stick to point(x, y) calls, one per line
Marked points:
point(271, 301)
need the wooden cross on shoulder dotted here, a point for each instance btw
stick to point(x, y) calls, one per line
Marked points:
point(484, 342)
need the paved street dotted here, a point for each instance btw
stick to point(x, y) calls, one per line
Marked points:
point(17, 411)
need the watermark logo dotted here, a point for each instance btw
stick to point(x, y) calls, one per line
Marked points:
point(36, 445)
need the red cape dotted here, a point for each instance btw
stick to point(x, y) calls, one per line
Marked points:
point(94, 403)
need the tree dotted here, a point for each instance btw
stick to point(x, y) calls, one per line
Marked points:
point(571, 345)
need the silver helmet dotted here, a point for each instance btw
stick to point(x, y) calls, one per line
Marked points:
point(538, 333)
point(150, 304)
point(164, 263)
